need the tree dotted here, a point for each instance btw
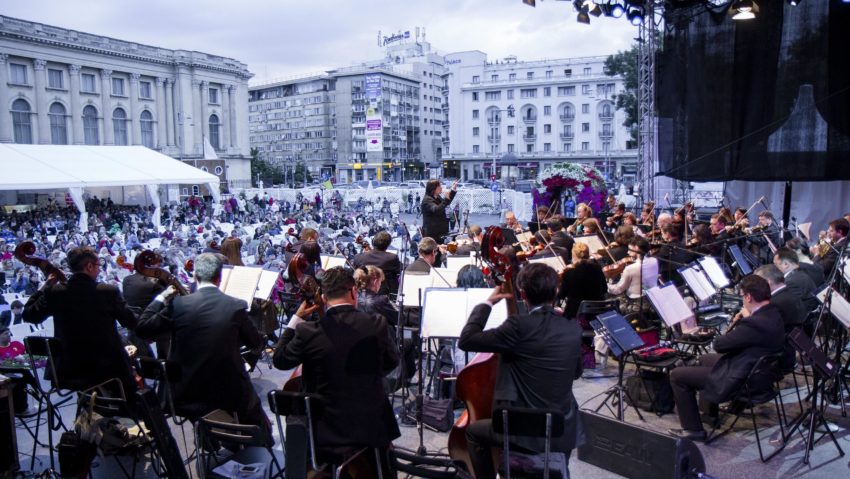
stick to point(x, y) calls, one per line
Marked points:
point(269, 173)
point(625, 64)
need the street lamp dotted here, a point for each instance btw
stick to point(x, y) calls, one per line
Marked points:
point(493, 137)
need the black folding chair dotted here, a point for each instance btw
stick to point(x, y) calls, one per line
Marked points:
point(541, 423)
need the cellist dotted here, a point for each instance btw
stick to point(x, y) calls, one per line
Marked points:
point(539, 357)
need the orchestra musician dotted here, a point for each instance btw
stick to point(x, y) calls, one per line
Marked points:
point(583, 213)
point(702, 242)
point(345, 355)
point(476, 234)
point(720, 375)
point(512, 223)
point(647, 214)
point(539, 358)
point(208, 328)
point(837, 236)
point(582, 280)
point(797, 281)
point(789, 304)
point(139, 291)
point(615, 219)
point(641, 274)
point(388, 263)
point(671, 255)
point(427, 257)
point(84, 315)
point(769, 240)
point(555, 226)
point(717, 225)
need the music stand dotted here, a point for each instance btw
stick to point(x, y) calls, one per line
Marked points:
point(824, 369)
point(621, 339)
point(739, 260)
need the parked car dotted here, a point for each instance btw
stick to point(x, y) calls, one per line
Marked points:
point(525, 186)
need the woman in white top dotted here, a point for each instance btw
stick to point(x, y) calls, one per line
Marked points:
point(643, 272)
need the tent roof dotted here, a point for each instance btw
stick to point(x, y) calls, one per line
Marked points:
point(30, 167)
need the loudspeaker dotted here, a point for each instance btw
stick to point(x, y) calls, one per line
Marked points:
point(637, 453)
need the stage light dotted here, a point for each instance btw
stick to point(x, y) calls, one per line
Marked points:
point(583, 17)
point(596, 10)
point(617, 10)
point(794, 3)
point(530, 3)
point(635, 16)
point(746, 10)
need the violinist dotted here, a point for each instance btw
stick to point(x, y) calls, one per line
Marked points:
point(717, 225)
point(208, 329)
point(582, 280)
point(583, 213)
point(427, 257)
point(672, 254)
point(741, 222)
point(555, 226)
point(770, 238)
point(345, 356)
point(702, 241)
point(641, 274)
point(512, 223)
point(539, 358)
point(312, 252)
point(539, 221)
point(615, 219)
point(139, 291)
point(388, 263)
point(547, 248)
point(647, 215)
point(474, 243)
point(84, 314)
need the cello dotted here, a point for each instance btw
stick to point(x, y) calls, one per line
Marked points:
point(145, 264)
point(25, 253)
point(476, 382)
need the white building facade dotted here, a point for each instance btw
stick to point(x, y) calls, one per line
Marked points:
point(60, 86)
point(528, 115)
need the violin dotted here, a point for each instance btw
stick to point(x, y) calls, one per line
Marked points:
point(189, 266)
point(364, 245)
point(289, 248)
point(144, 264)
point(25, 253)
point(476, 382)
point(616, 269)
point(308, 287)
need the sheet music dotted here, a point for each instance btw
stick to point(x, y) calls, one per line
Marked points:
point(329, 262)
point(714, 271)
point(669, 303)
point(592, 241)
point(268, 278)
point(554, 262)
point(225, 275)
point(242, 283)
point(698, 282)
point(446, 311)
point(806, 229)
point(524, 237)
point(412, 284)
point(444, 278)
point(459, 261)
point(839, 307)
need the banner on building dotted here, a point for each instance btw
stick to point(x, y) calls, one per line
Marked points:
point(374, 124)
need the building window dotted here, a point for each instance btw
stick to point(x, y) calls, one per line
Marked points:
point(547, 110)
point(510, 129)
point(547, 128)
point(475, 96)
point(547, 91)
point(21, 121)
point(547, 147)
point(88, 83)
point(587, 70)
point(493, 95)
point(510, 94)
point(568, 73)
point(476, 79)
point(214, 96)
point(145, 90)
point(118, 86)
point(510, 147)
point(529, 75)
point(18, 74)
point(529, 148)
point(585, 108)
point(54, 79)
point(494, 78)
point(146, 123)
point(528, 93)
point(474, 114)
point(568, 147)
point(90, 125)
point(218, 170)
point(585, 127)
point(566, 91)
point(476, 131)
point(585, 89)
point(548, 73)
point(476, 149)
point(58, 128)
point(214, 127)
point(119, 126)
point(585, 146)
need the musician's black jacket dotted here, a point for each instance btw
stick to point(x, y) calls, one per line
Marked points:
point(435, 224)
point(389, 264)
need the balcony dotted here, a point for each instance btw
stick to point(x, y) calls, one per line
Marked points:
point(494, 139)
point(529, 120)
point(606, 116)
point(494, 121)
point(529, 138)
point(567, 135)
point(606, 135)
point(568, 117)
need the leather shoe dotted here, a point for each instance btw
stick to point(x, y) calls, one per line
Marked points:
point(685, 434)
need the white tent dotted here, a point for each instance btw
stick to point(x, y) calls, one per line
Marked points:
point(76, 167)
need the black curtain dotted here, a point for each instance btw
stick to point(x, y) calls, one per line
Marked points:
point(764, 99)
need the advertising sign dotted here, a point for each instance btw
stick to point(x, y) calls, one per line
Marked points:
point(374, 124)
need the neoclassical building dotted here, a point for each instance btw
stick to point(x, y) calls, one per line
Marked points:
point(60, 86)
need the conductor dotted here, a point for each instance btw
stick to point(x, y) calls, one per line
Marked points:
point(435, 224)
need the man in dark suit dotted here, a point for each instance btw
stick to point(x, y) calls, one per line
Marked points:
point(837, 234)
point(84, 314)
point(790, 307)
point(797, 282)
point(769, 240)
point(12, 316)
point(345, 355)
point(428, 250)
point(139, 291)
point(474, 245)
point(560, 238)
point(208, 328)
point(378, 256)
point(539, 357)
point(759, 331)
point(435, 224)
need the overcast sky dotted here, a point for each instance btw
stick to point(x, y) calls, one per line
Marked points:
point(279, 38)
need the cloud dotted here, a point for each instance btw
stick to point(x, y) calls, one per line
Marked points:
point(279, 38)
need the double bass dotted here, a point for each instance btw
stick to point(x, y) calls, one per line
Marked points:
point(310, 291)
point(476, 382)
point(145, 262)
point(25, 253)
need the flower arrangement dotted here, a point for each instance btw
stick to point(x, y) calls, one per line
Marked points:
point(585, 182)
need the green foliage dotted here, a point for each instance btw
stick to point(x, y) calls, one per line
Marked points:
point(625, 64)
point(271, 174)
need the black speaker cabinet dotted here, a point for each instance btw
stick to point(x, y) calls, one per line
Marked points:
point(637, 453)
